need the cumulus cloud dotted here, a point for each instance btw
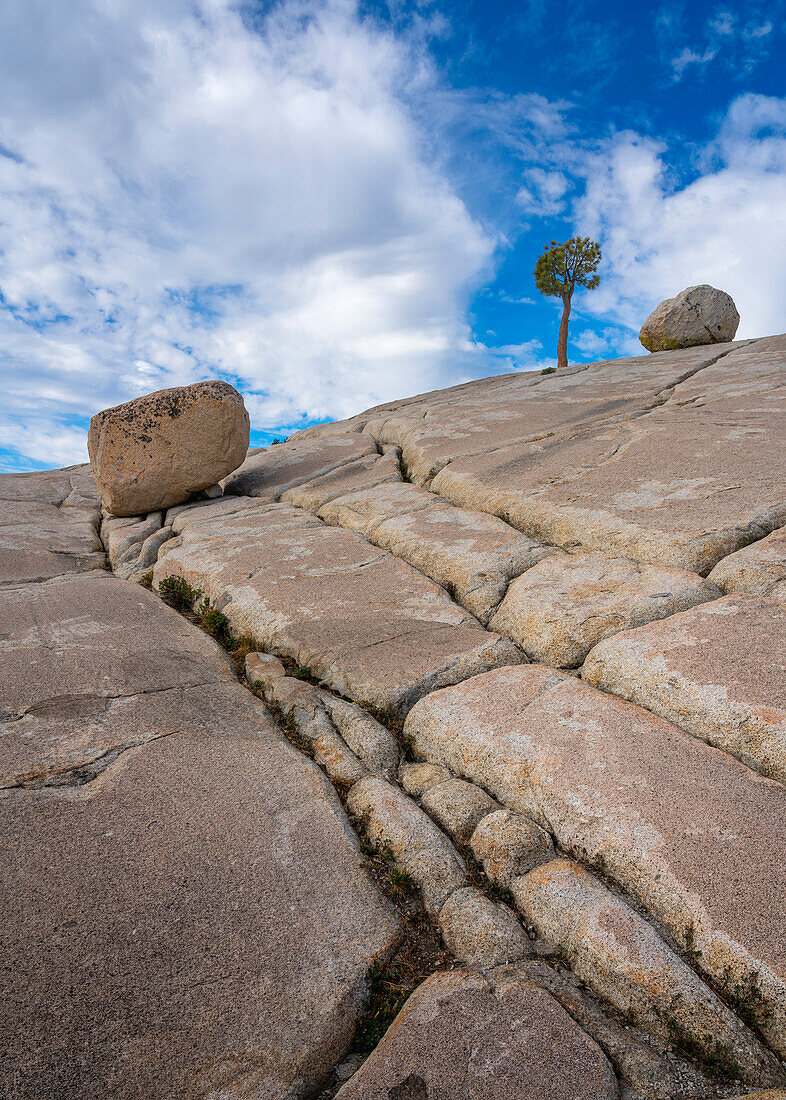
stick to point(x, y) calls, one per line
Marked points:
point(724, 227)
point(188, 194)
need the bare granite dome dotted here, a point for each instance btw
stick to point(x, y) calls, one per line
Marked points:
point(477, 696)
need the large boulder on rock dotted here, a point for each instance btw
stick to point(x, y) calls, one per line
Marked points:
point(156, 450)
point(699, 315)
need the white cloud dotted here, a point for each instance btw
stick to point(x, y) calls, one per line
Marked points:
point(760, 30)
point(723, 24)
point(184, 195)
point(725, 227)
point(605, 343)
point(688, 57)
point(543, 193)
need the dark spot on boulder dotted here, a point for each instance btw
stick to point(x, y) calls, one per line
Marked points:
point(411, 1088)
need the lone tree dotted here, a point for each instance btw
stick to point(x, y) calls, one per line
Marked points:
point(558, 272)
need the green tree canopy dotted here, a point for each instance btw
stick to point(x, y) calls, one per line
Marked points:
point(563, 267)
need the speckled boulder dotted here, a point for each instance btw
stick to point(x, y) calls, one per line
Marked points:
point(156, 450)
point(469, 1036)
point(699, 315)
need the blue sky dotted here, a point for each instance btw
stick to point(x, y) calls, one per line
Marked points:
point(332, 204)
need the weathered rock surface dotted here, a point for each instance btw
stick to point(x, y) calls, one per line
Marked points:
point(416, 779)
point(759, 569)
point(371, 472)
point(183, 910)
point(457, 807)
point(717, 671)
point(681, 486)
point(768, 1094)
point(299, 702)
point(509, 844)
point(372, 742)
point(621, 957)
point(156, 450)
point(497, 413)
point(492, 1037)
point(211, 869)
point(562, 607)
point(480, 932)
point(651, 1073)
point(361, 620)
point(343, 738)
point(692, 833)
point(418, 847)
point(364, 510)
point(132, 543)
point(49, 525)
point(473, 556)
point(268, 472)
point(698, 315)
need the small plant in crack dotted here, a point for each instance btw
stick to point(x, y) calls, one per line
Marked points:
point(388, 717)
point(240, 649)
point(549, 370)
point(146, 580)
point(562, 955)
point(380, 860)
point(500, 893)
point(716, 1058)
point(300, 672)
point(215, 623)
point(747, 999)
point(389, 985)
point(401, 881)
point(178, 593)
point(291, 732)
point(386, 995)
point(690, 944)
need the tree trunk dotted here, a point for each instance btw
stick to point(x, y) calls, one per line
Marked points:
point(562, 344)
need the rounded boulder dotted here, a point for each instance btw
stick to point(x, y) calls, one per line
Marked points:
point(156, 450)
point(699, 315)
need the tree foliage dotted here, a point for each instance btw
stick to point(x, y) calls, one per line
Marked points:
point(563, 267)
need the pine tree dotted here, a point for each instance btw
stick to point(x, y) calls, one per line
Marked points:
point(559, 270)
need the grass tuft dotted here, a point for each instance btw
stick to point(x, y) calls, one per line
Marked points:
point(178, 593)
